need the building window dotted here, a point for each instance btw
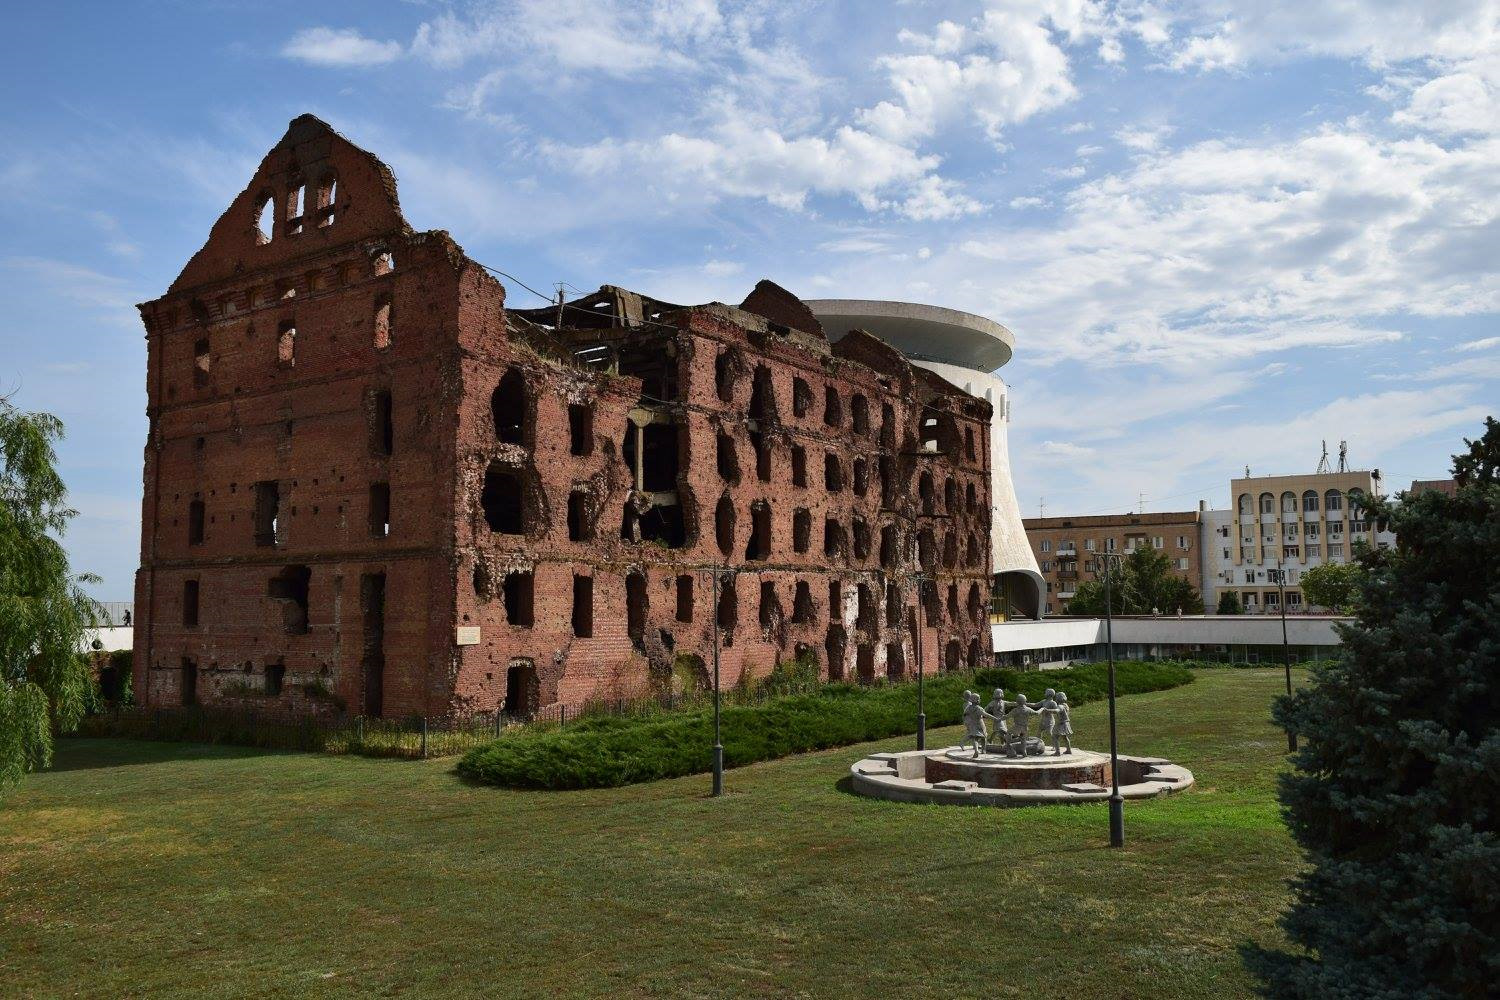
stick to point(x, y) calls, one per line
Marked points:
point(195, 522)
point(685, 598)
point(501, 500)
point(1156, 542)
point(1182, 542)
point(583, 606)
point(275, 679)
point(1046, 545)
point(286, 343)
point(267, 513)
point(799, 466)
point(580, 430)
point(508, 408)
point(1088, 545)
point(380, 510)
point(833, 408)
point(1109, 545)
point(382, 428)
point(190, 604)
point(382, 333)
point(519, 594)
point(802, 397)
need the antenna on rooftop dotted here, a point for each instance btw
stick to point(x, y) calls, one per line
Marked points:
point(1343, 456)
point(1247, 472)
point(1323, 462)
point(1041, 507)
point(1140, 502)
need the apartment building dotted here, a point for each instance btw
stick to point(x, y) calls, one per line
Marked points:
point(1067, 548)
point(1286, 522)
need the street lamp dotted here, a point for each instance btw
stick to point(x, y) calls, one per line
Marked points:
point(718, 788)
point(1116, 800)
point(917, 648)
point(1286, 649)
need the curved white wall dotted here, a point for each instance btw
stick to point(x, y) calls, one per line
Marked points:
point(1010, 552)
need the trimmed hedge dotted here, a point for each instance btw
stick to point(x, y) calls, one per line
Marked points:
point(605, 752)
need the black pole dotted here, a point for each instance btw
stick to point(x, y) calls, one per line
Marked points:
point(1116, 801)
point(921, 672)
point(1286, 653)
point(718, 741)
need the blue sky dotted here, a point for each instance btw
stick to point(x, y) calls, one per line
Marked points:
point(1221, 232)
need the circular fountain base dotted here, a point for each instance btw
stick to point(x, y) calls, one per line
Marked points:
point(956, 776)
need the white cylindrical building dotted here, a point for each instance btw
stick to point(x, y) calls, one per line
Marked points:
point(965, 350)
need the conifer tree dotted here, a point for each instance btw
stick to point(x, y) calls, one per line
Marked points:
point(1395, 792)
point(44, 614)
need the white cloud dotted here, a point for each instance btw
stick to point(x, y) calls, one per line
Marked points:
point(1143, 140)
point(1483, 344)
point(1063, 449)
point(1027, 201)
point(722, 268)
point(340, 47)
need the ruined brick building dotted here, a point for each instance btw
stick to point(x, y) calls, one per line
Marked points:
point(369, 484)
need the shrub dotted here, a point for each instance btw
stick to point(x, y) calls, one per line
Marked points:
point(601, 752)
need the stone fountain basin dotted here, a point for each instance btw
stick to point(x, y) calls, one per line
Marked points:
point(953, 776)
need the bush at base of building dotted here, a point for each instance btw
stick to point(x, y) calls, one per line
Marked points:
point(603, 752)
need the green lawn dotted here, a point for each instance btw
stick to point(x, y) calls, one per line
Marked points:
point(154, 869)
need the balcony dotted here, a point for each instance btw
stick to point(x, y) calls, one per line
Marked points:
point(1067, 574)
point(1067, 552)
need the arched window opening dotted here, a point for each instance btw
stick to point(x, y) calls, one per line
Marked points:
point(926, 493)
point(801, 529)
point(770, 605)
point(895, 661)
point(976, 604)
point(762, 396)
point(952, 655)
point(833, 409)
point(1245, 504)
point(580, 526)
point(724, 525)
point(728, 612)
point(975, 655)
point(833, 538)
point(799, 466)
point(864, 662)
point(802, 397)
point(1289, 502)
point(286, 343)
point(835, 646)
point(1267, 504)
point(1333, 500)
point(328, 194)
point(508, 408)
point(635, 606)
point(296, 205)
point(758, 546)
point(889, 546)
point(803, 611)
point(725, 458)
point(1310, 501)
point(833, 473)
point(863, 539)
point(861, 476)
point(950, 497)
point(971, 499)
point(384, 263)
point(265, 219)
point(859, 412)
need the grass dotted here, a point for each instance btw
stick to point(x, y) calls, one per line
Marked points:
point(138, 869)
point(604, 751)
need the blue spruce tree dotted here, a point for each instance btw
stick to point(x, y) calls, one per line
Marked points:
point(1395, 794)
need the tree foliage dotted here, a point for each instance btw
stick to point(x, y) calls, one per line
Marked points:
point(1143, 583)
point(1395, 792)
point(1229, 603)
point(44, 614)
point(1331, 585)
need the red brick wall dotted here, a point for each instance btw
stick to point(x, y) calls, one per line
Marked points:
point(307, 426)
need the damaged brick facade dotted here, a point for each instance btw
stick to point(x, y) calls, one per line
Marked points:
point(370, 486)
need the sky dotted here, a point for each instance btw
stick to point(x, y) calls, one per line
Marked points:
point(1221, 232)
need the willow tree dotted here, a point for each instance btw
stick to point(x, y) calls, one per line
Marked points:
point(44, 613)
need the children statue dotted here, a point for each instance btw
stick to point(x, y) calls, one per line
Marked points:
point(1020, 715)
point(1048, 709)
point(996, 708)
point(1062, 725)
point(974, 716)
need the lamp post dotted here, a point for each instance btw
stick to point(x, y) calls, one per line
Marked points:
point(1286, 649)
point(917, 648)
point(1116, 801)
point(718, 788)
